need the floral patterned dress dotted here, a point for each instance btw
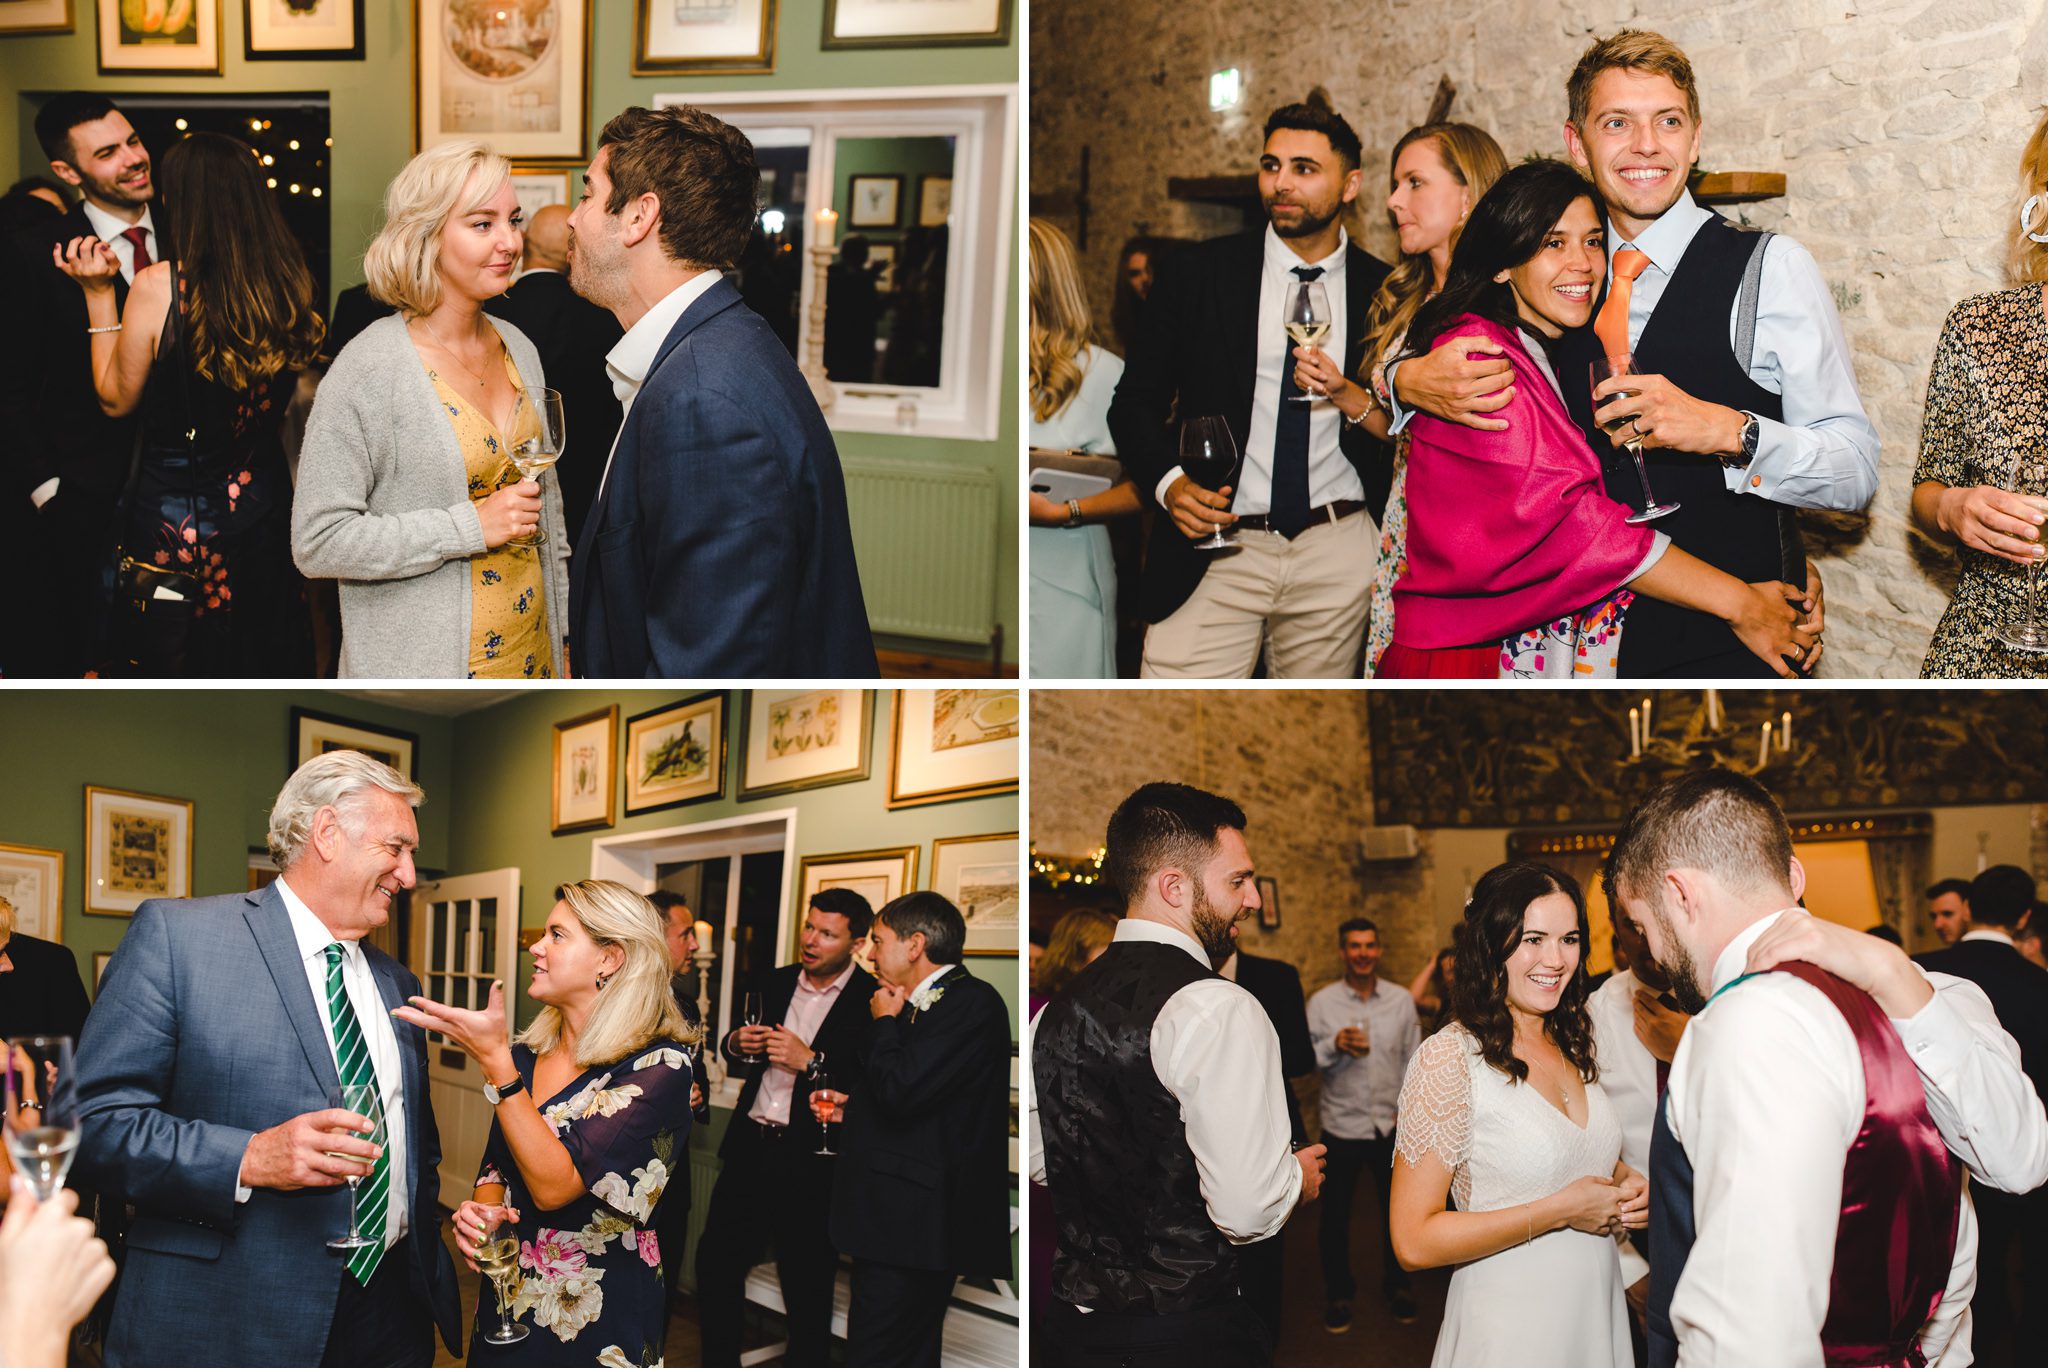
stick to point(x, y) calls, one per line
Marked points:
point(591, 1288)
point(508, 613)
point(1987, 404)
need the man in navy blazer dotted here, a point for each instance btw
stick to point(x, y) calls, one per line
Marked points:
point(204, 1071)
point(719, 544)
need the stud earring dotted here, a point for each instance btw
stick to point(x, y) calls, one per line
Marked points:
point(602, 980)
point(2026, 220)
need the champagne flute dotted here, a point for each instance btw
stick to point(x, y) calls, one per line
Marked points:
point(1209, 456)
point(1308, 323)
point(497, 1258)
point(364, 1101)
point(1606, 368)
point(537, 443)
point(2030, 478)
point(750, 1013)
point(821, 1106)
point(41, 1097)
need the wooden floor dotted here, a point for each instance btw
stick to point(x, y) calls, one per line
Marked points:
point(914, 665)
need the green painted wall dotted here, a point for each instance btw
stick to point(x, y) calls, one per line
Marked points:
point(372, 120)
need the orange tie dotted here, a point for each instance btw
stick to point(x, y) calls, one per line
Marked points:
point(1611, 327)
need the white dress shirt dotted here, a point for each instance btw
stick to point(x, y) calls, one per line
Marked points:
point(374, 1018)
point(1824, 453)
point(1766, 1094)
point(1361, 1092)
point(1214, 1049)
point(1330, 475)
point(628, 362)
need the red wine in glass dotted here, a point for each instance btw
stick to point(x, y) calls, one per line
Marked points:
point(1623, 430)
point(1209, 457)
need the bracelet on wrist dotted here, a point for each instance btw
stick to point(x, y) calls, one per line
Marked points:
point(114, 328)
point(1073, 513)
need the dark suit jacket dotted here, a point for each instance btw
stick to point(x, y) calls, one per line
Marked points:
point(2018, 989)
point(923, 1178)
point(44, 995)
point(720, 546)
point(1277, 986)
point(205, 1032)
point(1198, 354)
point(572, 335)
point(842, 1039)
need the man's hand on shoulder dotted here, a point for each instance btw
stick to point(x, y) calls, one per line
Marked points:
point(1460, 381)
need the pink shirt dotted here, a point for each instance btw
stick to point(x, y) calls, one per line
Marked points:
point(808, 1008)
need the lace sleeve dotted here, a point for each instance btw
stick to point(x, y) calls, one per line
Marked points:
point(1435, 1110)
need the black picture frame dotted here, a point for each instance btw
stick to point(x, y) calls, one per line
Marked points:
point(1269, 903)
point(304, 719)
point(351, 53)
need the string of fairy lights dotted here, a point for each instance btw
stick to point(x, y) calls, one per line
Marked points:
point(292, 165)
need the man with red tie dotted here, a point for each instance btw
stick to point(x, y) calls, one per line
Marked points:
point(66, 467)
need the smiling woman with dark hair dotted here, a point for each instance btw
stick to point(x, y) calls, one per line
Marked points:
point(1517, 560)
point(1502, 1111)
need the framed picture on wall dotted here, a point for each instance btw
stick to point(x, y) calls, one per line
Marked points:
point(676, 754)
point(734, 37)
point(179, 36)
point(880, 876)
point(883, 255)
point(803, 738)
point(951, 744)
point(877, 201)
point(915, 23)
point(1269, 904)
point(586, 787)
point(100, 960)
point(302, 30)
point(32, 882)
point(138, 846)
point(316, 733)
point(516, 75)
point(537, 185)
point(978, 875)
point(934, 200)
point(36, 16)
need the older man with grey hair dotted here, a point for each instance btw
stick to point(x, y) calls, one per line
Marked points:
point(205, 1071)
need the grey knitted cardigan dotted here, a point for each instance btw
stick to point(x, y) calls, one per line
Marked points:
point(383, 506)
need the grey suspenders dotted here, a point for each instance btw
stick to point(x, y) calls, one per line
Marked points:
point(1745, 312)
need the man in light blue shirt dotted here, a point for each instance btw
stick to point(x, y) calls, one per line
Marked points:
point(1364, 1030)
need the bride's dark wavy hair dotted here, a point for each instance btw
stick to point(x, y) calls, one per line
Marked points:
point(1487, 938)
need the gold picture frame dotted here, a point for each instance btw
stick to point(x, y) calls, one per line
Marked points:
point(701, 37)
point(185, 42)
point(915, 23)
point(880, 876)
point(950, 744)
point(983, 877)
point(584, 794)
point(37, 16)
point(32, 881)
point(138, 846)
point(528, 97)
point(772, 761)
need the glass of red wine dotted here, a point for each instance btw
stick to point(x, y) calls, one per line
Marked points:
point(1622, 429)
point(1209, 456)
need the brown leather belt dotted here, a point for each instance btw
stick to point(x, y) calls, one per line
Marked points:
point(1329, 512)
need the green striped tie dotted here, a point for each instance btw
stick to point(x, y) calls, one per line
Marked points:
point(352, 1062)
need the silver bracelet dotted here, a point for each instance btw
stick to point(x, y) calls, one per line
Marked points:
point(1073, 513)
point(115, 328)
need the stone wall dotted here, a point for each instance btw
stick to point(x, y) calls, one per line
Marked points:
point(1898, 124)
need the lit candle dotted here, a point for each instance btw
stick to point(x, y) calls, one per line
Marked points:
point(1646, 721)
point(1635, 734)
point(1785, 735)
point(704, 943)
point(1763, 749)
point(1713, 710)
point(828, 226)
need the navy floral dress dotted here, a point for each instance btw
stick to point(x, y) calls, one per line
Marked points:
point(591, 1289)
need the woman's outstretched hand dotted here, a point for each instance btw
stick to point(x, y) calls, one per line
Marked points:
point(88, 261)
point(480, 1035)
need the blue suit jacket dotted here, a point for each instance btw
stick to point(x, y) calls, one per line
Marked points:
point(205, 1032)
point(720, 547)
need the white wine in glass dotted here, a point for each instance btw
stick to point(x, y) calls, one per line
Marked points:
point(2030, 637)
point(537, 445)
point(41, 1098)
point(364, 1101)
point(1308, 323)
point(497, 1258)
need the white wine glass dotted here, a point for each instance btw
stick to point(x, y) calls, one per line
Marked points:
point(1308, 323)
point(497, 1258)
point(1623, 429)
point(750, 1013)
point(537, 443)
point(2030, 637)
point(364, 1101)
point(41, 1098)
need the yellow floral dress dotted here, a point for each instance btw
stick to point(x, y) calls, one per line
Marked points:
point(508, 614)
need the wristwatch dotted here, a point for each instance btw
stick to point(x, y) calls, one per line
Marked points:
point(1752, 431)
point(494, 1093)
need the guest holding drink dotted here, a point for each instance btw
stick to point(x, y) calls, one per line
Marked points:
point(1515, 555)
point(1439, 171)
point(52, 1270)
point(1073, 575)
point(592, 1115)
point(207, 352)
point(407, 492)
point(1979, 482)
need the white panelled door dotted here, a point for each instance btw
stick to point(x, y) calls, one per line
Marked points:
point(465, 933)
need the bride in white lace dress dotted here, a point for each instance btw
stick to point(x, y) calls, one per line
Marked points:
point(1524, 1142)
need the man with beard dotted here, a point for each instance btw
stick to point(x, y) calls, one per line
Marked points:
point(67, 460)
point(718, 544)
point(1155, 1112)
point(1739, 425)
point(1802, 1190)
point(1303, 507)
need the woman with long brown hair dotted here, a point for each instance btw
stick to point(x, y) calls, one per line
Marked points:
point(1437, 173)
point(209, 349)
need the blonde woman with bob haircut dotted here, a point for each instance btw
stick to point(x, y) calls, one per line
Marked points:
point(1073, 576)
point(1986, 409)
point(593, 1116)
point(406, 492)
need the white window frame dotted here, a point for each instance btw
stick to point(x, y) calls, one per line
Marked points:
point(967, 402)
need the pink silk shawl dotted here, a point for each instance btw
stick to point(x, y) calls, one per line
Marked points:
point(1510, 529)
